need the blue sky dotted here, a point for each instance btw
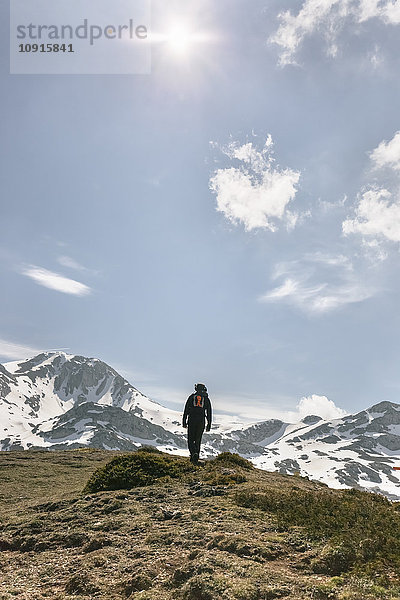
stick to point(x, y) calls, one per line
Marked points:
point(232, 218)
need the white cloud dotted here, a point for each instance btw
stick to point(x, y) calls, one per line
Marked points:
point(57, 282)
point(263, 409)
point(12, 351)
point(328, 18)
point(387, 154)
point(256, 192)
point(318, 283)
point(67, 261)
point(320, 406)
point(377, 215)
point(294, 28)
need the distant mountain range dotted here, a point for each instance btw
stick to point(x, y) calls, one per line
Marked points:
point(56, 401)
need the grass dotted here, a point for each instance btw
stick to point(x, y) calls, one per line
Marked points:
point(223, 531)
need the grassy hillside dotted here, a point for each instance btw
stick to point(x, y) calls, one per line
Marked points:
point(220, 531)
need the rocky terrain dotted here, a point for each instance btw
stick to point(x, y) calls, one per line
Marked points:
point(222, 531)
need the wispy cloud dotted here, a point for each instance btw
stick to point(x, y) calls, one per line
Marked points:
point(13, 351)
point(55, 281)
point(67, 261)
point(327, 18)
point(71, 263)
point(330, 207)
point(256, 191)
point(318, 283)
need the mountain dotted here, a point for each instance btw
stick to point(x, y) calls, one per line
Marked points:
point(355, 451)
point(57, 401)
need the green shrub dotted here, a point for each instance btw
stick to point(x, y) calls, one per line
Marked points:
point(134, 470)
point(232, 459)
point(335, 560)
point(355, 529)
point(150, 449)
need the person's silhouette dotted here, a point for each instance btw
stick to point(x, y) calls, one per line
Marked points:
point(197, 411)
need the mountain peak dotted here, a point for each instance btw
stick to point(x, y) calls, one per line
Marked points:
point(311, 419)
point(384, 406)
point(21, 366)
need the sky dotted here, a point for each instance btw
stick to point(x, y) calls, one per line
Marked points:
point(233, 217)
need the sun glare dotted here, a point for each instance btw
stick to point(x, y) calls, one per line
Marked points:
point(179, 39)
point(182, 39)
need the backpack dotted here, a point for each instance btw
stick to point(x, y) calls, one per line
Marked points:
point(198, 400)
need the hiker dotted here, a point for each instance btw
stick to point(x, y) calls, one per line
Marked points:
point(197, 410)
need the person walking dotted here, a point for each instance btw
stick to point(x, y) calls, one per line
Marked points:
point(197, 411)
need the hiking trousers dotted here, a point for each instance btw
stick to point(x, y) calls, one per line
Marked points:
point(195, 432)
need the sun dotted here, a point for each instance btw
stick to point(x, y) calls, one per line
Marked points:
point(180, 38)
point(183, 40)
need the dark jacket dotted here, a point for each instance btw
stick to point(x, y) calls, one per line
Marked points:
point(197, 408)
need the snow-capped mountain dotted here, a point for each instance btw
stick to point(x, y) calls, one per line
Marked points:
point(354, 451)
point(56, 400)
point(61, 400)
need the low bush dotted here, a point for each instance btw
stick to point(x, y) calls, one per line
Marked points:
point(150, 449)
point(356, 528)
point(336, 559)
point(134, 470)
point(233, 460)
